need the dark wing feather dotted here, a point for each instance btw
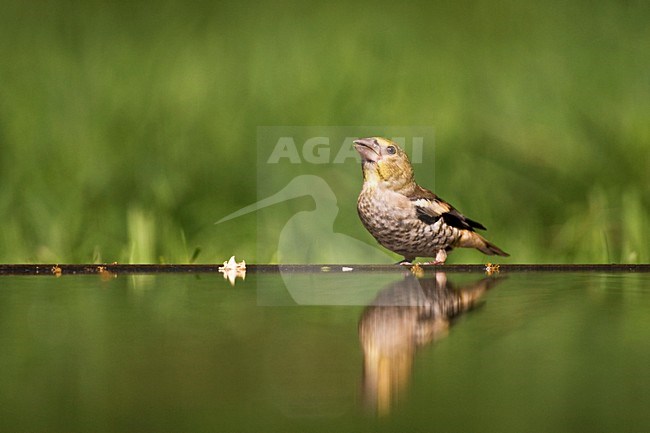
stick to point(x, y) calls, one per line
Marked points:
point(458, 220)
point(430, 208)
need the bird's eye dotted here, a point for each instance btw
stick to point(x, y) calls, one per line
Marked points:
point(391, 150)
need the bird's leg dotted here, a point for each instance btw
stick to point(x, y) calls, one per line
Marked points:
point(441, 257)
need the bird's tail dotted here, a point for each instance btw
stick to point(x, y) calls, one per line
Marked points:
point(473, 240)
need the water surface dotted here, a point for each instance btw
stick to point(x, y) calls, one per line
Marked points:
point(326, 351)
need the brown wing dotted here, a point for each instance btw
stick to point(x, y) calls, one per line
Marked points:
point(430, 208)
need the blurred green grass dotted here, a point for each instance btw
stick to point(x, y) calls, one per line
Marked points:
point(127, 129)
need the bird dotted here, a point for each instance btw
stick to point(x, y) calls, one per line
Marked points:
point(405, 217)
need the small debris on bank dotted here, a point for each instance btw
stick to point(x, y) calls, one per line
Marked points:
point(346, 269)
point(232, 270)
point(105, 274)
point(491, 269)
point(232, 265)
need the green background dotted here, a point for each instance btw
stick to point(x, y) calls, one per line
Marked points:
point(128, 128)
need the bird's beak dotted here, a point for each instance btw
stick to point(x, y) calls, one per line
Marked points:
point(368, 148)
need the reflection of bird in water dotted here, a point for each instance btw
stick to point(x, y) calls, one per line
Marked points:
point(308, 236)
point(404, 316)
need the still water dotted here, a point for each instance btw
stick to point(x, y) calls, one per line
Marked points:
point(514, 352)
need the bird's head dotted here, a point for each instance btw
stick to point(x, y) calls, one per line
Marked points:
point(384, 162)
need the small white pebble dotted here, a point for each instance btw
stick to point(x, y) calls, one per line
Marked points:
point(346, 269)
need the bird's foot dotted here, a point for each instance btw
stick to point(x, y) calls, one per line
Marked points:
point(404, 262)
